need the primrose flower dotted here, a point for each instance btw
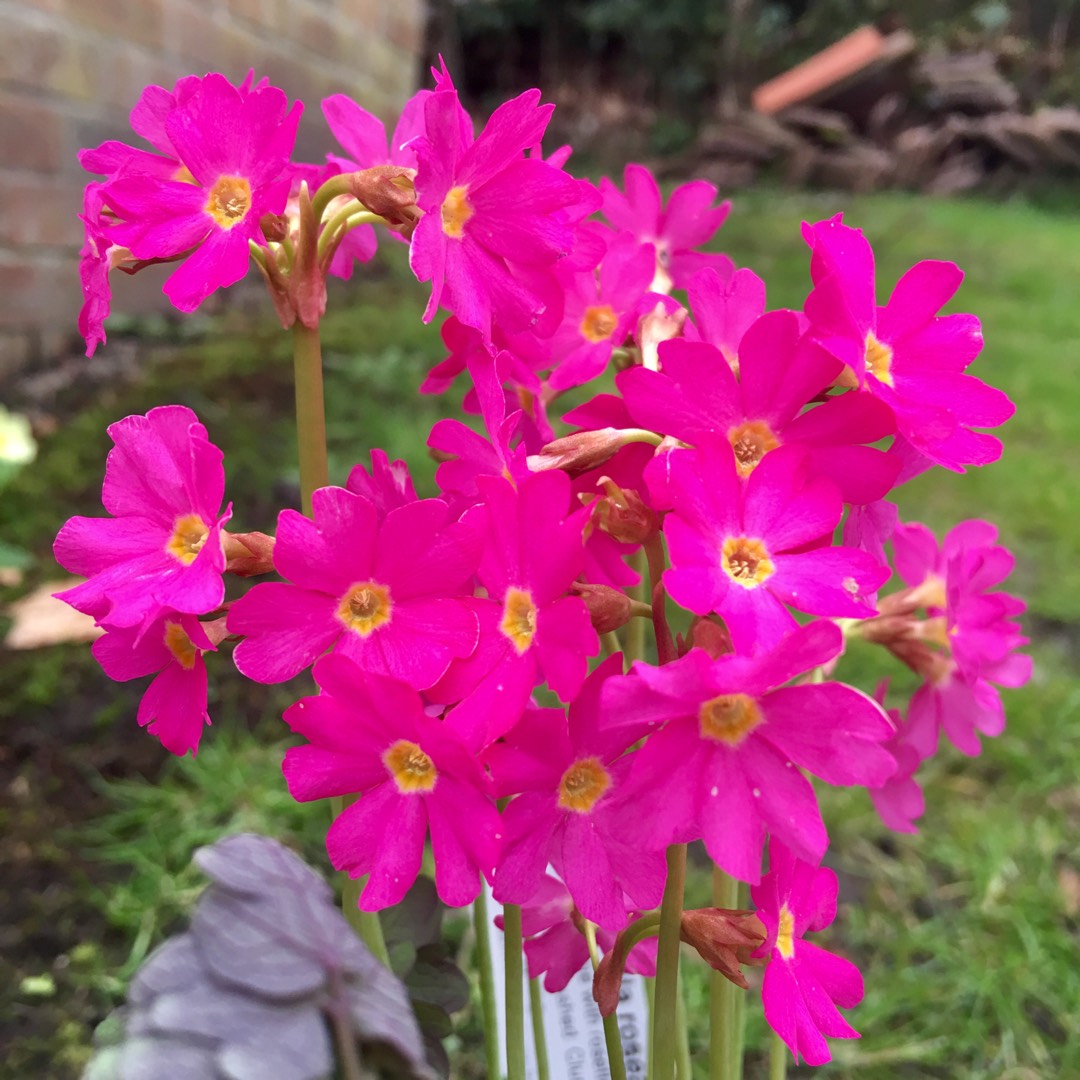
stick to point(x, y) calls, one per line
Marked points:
point(492, 229)
point(723, 767)
point(162, 548)
point(174, 705)
point(905, 353)
point(233, 147)
point(724, 308)
point(369, 734)
point(688, 222)
point(698, 399)
point(529, 628)
point(382, 591)
point(803, 983)
point(747, 551)
point(567, 813)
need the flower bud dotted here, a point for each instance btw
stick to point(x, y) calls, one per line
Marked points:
point(608, 608)
point(275, 227)
point(724, 939)
point(624, 515)
point(387, 190)
point(249, 554)
point(709, 635)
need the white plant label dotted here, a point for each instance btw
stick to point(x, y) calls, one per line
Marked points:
point(573, 1028)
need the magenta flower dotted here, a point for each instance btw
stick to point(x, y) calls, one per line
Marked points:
point(382, 592)
point(723, 766)
point(387, 486)
point(530, 629)
point(724, 308)
point(689, 221)
point(235, 147)
point(905, 353)
point(162, 548)
point(698, 400)
point(491, 232)
point(803, 983)
point(369, 734)
point(974, 626)
point(570, 814)
point(747, 551)
point(174, 706)
point(555, 945)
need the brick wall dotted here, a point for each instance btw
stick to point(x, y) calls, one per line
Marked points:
point(70, 71)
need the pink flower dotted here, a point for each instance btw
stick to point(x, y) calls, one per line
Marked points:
point(555, 945)
point(162, 548)
point(974, 626)
point(724, 766)
point(747, 551)
point(381, 591)
point(387, 486)
point(369, 734)
point(492, 230)
point(570, 814)
point(689, 221)
point(235, 145)
point(174, 705)
point(530, 629)
point(724, 308)
point(803, 983)
point(698, 399)
point(904, 353)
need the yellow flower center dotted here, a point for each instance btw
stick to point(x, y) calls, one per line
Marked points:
point(229, 200)
point(189, 535)
point(785, 933)
point(746, 561)
point(583, 784)
point(598, 323)
point(879, 360)
point(456, 210)
point(365, 607)
point(413, 771)
point(183, 176)
point(519, 618)
point(180, 645)
point(729, 718)
point(751, 442)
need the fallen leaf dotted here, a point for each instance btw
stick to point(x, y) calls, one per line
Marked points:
point(39, 619)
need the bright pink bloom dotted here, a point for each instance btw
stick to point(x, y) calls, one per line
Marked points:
point(382, 592)
point(974, 625)
point(492, 228)
point(723, 767)
point(387, 486)
point(94, 267)
point(689, 221)
point(803, 983)
point(530, 629)
point(724, 308)
point(369, 735)
point(235, 145)
point(899, 801)
point(568, 812)
point(162, 548)
point(905, 353)
point(601, 310)
point(740, 550)
point(555, 945)
point(174, 705)
point(697, 399)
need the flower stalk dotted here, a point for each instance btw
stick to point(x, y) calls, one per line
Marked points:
point(665, 1019)
point(515, 996)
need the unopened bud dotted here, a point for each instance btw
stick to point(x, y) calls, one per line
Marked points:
point(249, 554)
point(275, 227)
point(586, 449)
point(609, 608)
point(624, 515)
point(725, 939)
point(388, 190)
point(712, 637)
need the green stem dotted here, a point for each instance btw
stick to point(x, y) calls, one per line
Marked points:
point(348, 217)
point(536, 1007)
point(683, 1067)
point(515, 995)
point(335, 186)
point(778, 1058)
point(310, 412)
point(725, 998)
point(487, 986)
point(635, 630)
point(667, 967)
point(612, 1038)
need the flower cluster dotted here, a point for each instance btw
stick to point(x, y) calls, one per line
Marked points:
point(740, 440)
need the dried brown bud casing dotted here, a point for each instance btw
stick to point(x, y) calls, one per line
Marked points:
point(609, 608)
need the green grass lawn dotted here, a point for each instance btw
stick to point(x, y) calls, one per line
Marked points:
point(967, 933)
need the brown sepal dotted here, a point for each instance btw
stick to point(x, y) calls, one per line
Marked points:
point(724, 939)
point(609, 608)
point(624, 515)
point(249, 554)
point(388, 190)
